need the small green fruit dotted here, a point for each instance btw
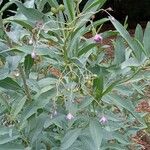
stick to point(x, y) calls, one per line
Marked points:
point(61, 7)
point(54, 10)
point(89, 83)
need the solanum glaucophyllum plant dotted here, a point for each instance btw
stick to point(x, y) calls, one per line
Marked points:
point(58, 90)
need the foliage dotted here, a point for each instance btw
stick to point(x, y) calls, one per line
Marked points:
point(58, 90)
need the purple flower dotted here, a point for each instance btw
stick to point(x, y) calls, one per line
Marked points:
point(97, 38)
point(33, 55)
point(69, 116)
point(103, 120)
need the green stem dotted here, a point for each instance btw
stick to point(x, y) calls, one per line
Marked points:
point(27, 91)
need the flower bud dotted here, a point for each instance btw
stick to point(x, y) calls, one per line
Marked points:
point(98, 38)
point(69, 116)
point(33, 55)
point(103, 120)
point(31, 41)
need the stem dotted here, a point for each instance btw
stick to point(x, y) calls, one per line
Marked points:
point(27, 91)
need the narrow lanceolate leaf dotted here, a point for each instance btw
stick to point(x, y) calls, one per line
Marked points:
point(93, 5)
point(135, 45)
point(139, 33)
point(98, 86)
point(7, 138)
point(87, 100)
point(30, 13)
point(96, 133)
point(53, 3)
point(119, 51)
point(86, 49)
point(28, 63)
point(10, 84)
point(9, 146)
point(146, 39)
point(70, 9)
point(70, 138)
point(124, 103)
point(13, 62)
point(23, 23)
point(18, 106)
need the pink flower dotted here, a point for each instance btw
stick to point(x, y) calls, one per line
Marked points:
point(97, 38)
point(69, 116)
point(103, 120)
point(33, 55)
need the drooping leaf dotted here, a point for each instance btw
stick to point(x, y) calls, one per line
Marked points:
point(86, 49)
point(139, 33)
point(7, 138)
point(10, 146)
point(93, 5)
point(28, 63)
point(135, 46)
point(96, 133)
point(10, 84)
point(18, 106)
point(70, 7)
point(98, 86)
point(69, 138)
point(13, 62)
point(85, 102)
point(119, 51)
point(31, 13)
point(53, 3)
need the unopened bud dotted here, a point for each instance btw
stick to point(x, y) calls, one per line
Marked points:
point(69, 116)
point(33, 55)
point(31, 41)
point(97, 38)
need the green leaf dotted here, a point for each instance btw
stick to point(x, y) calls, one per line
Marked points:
point(10, 146)
point(124, 103)
point(28, 63)
point(93, 5)
point(87, 100)
point(96, 133)
point(58, 121)
point(121, 138)
point(98, 86)
point(69, 138)
point(87, 143)
point(86, 49)
point(7, 138)
point(70, 9)
point(53, 3)
point(119, 51)
point(13, 62)
point(139, 33)
point(23, 23)
point(4, 73)
point(146, 40)
point(30, 13)
point(18, 106)
point(135, 46)
point(10, 84)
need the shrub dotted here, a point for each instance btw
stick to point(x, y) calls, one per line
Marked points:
point(58, 90)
